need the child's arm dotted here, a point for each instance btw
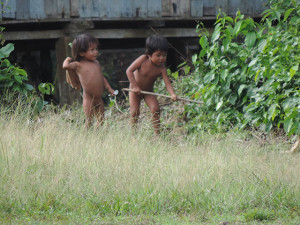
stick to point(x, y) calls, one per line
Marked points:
point(108, 87)
point(134, 66)
point(71, 75)
point(106, 84)
point(69, 65)
point(168, 84)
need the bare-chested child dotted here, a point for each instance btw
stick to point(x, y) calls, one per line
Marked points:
point(142, 74)
point(85, 52)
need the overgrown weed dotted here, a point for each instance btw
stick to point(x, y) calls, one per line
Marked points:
point(52, 167)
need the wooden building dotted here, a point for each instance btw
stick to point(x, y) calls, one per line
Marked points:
point(42, 29)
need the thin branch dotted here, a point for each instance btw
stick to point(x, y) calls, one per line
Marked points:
point(165, 96)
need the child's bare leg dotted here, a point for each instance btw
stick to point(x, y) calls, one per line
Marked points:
point(154, 108)
point(134, 101)
point(99, 113)
point(88, 109)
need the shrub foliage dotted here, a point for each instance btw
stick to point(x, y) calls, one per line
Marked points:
point(13, 80)
point(12, 77)
point(247, 73)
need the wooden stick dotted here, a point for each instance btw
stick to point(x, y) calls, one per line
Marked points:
point(165, 96)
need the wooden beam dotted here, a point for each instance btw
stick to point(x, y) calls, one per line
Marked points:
point(101, 33)
point(142, 33)
point(32, 35)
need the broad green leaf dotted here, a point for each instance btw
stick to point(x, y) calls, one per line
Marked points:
point(175, 75)
point(226, 42)
point(268, 127)
point(224, 74)
point(262, 44)
point(10, 84)
point(293, 71)
point(194, 58)
point(237, 27)
point(287, 13)
point(230, 30)
point(219, 105)
point(256, 75)
point(272, 111)
point(169, 72)
point(253, 62)
point(290, 103)
point(241, 88)
point(46, 88)
point(229, 19)
point(277, 14)
point(202, 52)
point(181, 64)
point(232, 99)
point(267, 15)
point(6, 50)
point(209, 77)
point(18, 78)
point(216, 34)
point(287, 124)
point(250, 39)
point(186, 69)
point(21, 72)
point(4, 78)
point(275, 51)
point(203, 42)
point(29, 87)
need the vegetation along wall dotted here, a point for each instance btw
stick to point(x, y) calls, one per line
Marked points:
point(42, 29)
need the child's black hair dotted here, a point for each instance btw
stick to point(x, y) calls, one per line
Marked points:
point(156, 42)
point(81, 44)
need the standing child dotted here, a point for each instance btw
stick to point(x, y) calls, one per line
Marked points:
point(85, 53)
point(142, 74)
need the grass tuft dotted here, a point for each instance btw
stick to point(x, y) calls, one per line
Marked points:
point(52, 168)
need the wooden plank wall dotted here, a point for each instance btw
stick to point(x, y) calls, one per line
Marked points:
point(230, 7)
point(22, 9)
point(9, 9)
point(117, 8)
point(57, 9)
point(197, 8)
point(36, 9)
point(176, 8)
point(40, 9)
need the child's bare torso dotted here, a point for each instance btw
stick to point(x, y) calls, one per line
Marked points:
point(91, 78)
point(147, 74)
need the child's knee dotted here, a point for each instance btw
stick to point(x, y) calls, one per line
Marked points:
point(155, 110)
point(135, 113)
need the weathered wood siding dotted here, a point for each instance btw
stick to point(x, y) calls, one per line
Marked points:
point(230, 7)
point(10, 10)
point(117, 8)
point(43, 9)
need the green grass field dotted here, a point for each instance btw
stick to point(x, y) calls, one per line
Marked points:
point(52, 171)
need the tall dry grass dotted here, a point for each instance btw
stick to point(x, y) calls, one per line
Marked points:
point(53, 164)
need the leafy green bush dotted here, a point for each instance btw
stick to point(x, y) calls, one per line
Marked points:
point(12, 77)
point(247, 73)
point(13, 82)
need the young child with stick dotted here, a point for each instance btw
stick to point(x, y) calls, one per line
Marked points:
point(85, 52)
point(143, 73)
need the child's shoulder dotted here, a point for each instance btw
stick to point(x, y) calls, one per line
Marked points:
point(88, 62)
point(140, 60)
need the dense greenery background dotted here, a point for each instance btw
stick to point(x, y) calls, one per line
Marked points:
point(247, 73)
